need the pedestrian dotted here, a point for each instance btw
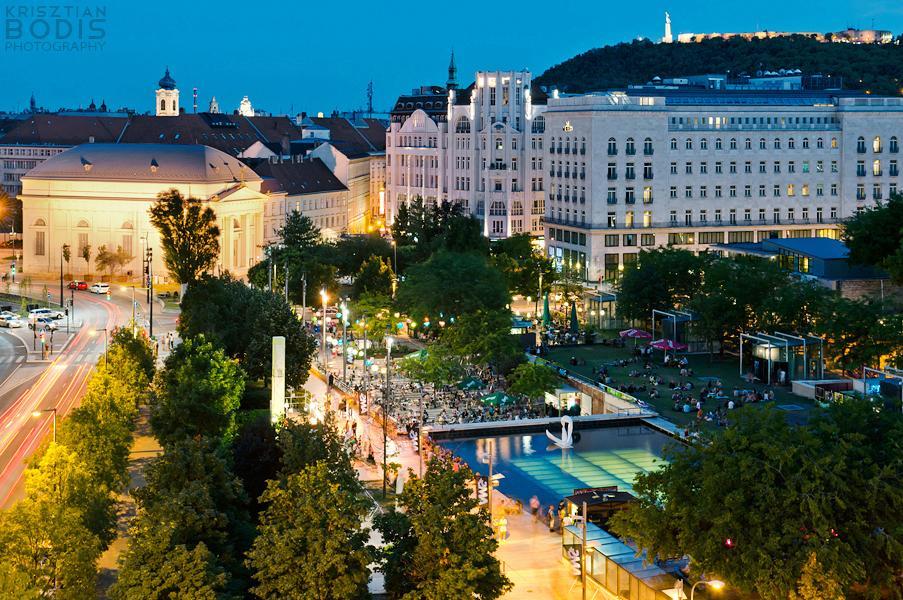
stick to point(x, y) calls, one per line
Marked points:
point(551, 519)
point(534, 508)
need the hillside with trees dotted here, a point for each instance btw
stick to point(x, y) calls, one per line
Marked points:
point(867, 67)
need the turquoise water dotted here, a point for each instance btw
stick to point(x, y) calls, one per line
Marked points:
point(532, 466)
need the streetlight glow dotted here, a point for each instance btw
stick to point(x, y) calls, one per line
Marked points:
point(716, 584)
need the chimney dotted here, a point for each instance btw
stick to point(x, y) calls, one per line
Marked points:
point(195, 96)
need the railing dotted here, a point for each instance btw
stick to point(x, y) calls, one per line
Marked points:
point(698, 225)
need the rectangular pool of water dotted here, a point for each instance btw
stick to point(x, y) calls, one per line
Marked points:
point(531, 465)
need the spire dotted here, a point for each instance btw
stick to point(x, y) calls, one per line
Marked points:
point(33, 104)
point(452, 82)
point(668, 38)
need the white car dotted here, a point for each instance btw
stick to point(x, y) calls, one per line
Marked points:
point(8, 319)
point(99, 288)
point(49, 313)
point(42, 323)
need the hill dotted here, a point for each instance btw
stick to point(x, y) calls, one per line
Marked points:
point(874, 67)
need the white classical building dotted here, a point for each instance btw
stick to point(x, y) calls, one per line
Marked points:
point(167, 96)
point(99, 194)
point(692, 168)
point(480, 147)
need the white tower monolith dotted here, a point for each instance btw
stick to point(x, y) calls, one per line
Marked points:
point(277, 393)
point(668, 38)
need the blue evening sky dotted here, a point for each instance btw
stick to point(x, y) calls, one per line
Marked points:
point(291, 56)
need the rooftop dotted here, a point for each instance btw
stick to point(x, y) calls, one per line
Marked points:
point(300, 177)
point(63, 130)
point(166, 163)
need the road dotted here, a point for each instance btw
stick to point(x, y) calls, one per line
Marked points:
point(28, 387)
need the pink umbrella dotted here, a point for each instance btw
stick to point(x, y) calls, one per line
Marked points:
point(636, 333)
point(666, 344)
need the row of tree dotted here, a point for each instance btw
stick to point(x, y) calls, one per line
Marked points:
point(51, 540)
point(732, 295)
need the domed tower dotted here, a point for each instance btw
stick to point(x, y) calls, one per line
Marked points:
point(167, 97)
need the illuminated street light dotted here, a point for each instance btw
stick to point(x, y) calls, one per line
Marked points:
point(37, 415)
point(325, 297)
point(715, 584)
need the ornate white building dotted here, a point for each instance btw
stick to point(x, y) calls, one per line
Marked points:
point(481, 147)
point(167, 97)
point(244, 108)
point(697, 168)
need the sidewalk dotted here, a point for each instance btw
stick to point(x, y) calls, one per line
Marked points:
point(144, 449)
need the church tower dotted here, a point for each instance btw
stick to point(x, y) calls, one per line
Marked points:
point(452, 83)
point(214, 106)
point(167, 97)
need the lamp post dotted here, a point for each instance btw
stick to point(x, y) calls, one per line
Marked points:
point(386, 410)
point(394, 267)
point(715, 584)
point(37, 415)
point(325, 297)
point(62, 294)
point(104, 330)
point(135, 307)
point(344, 341)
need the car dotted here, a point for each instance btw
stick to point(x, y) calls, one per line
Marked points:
point(78, 285)
point(9, 319)
point(43, 323)
point(50, 313)
point(99, 288)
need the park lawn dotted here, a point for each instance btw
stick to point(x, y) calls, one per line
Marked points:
point(724, 368)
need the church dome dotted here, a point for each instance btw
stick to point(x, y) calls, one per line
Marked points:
point(167, 83)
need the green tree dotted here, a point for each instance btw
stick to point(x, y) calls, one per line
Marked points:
point(86, 254)
point(47, 548)
point(303, 444)
point(298, 232)
point(256, 456)
point(424, 229)
point(440, 547)
point(67, 254)
point(375, 277)
point(155, 567)
point(188, 234)
point(661, 279)
point(426, 290)
point(533, 381)
point(815, 584)
point(440, 366)
point(875, 236)
point(243, 321)
point(136, 347)
point(350, 253)
point(196, 393)
point(521, 263)
point(190, 498)
point(860, 332)
point(373, 313)
point(484, 337)
point(716, 500)
point(311, 542)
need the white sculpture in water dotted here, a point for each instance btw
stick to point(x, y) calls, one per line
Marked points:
point(567, 433)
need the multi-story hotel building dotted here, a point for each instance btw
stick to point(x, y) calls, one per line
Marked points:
point(481, 147)
point(692, 168)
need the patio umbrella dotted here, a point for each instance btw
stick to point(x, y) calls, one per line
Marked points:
point(418, 354)
point(666, 345)
point(497, 398)
point(546, 313)
point(574, 325)
point(636, 334)
point(470, 383)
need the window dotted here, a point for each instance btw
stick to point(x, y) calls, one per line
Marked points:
point(539, 125)
point(647, 171)
point(647, 194)
point(629, 196)
point(689, 144)
point(673, 144)
point(630, 147)
point(860, 145)
point(876, 144)
point(820, 143)
point(39, 243)
point(612, 171)
point(876, 168)
point(647, 147)
point(647, 239)
point(703, 144)
point(462, 125)
point(762, 144)
point(612, 240)
point(612, 195)
point(612, 147)
point(747, 144)
point(674, 168)
point(894, 146)
point(612, 220)
point(718, 144)
point(733, 144)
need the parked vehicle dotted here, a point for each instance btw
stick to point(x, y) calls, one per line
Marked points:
point(99, 288)
point(43, 323)
point(50, 313)
point(10, 319)
point(78, 285)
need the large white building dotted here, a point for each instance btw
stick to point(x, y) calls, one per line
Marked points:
point(99, 195)
point(691, 168)
point(481, 147)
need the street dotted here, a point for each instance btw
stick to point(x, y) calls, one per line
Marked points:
point(29, 385)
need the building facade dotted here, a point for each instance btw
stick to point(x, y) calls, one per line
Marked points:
point(99, 195)
point(481, 147)
point(689, 170)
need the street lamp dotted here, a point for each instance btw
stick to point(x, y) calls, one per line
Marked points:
point(344, 308)
point(715, 584)
point(104, 330)
point(150, 305)
point(386, 409)
point(37, 415)
point(325, 297)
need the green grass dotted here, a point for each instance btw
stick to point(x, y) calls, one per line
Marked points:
point(726, 369)
point(375, 487)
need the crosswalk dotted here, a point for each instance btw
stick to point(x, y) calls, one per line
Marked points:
point(11, 359)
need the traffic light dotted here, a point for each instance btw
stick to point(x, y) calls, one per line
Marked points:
point(109, 296)
point(13, 269)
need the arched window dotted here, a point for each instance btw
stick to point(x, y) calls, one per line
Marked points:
point(876, 144)
point(173, 106)
point(83, 223)
point(777, 143)
point(718, 144)
point(894, 145)
point(40, 223)
point(805, 143)
point(162, 104)
point(539, 125)
point(733, 143)
point(126, 225)
point(833, 143)
point(820, 143)
point(647, 146)
point(612, 146)
point(497, 209)
point(462, 125)
point(630, 147)
point(689, 144)
point(674, 143)
point(517, 208)
point(860, 145)
point(791, 143)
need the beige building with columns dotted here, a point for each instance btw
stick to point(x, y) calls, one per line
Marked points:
point(99, 194)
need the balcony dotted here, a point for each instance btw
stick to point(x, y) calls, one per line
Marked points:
point(582, 175)
point(551, 149)
point(629, 175)
point(612, 176)
point(630, 151)
point(648, 152)
point(893, 172)
point(860, 149)
point(582, 150)
point(612, 151)
point(568, 223)
point(647, 176)
point(860, 172)
point(567, 149)
point(498, 166)
point(877, 173)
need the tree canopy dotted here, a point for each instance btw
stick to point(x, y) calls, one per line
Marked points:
point(752, 503)
point(188, 234)
point(875, 236)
